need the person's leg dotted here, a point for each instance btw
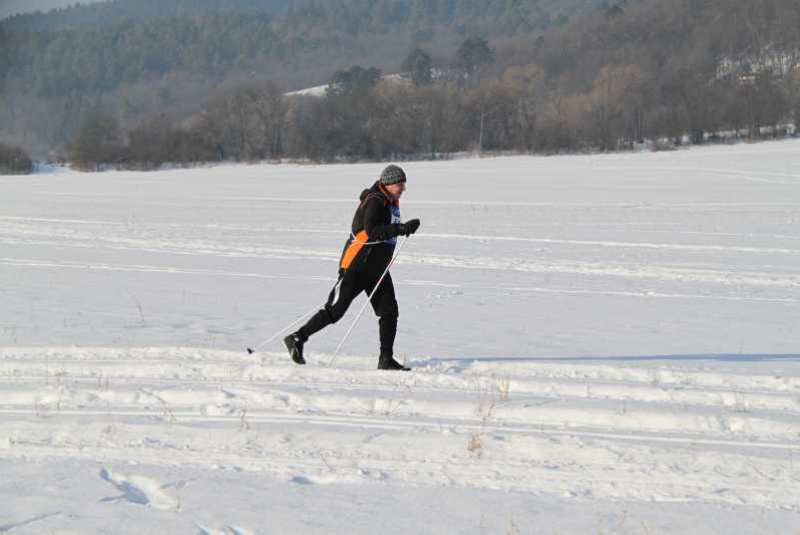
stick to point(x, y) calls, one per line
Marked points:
point(339, 301)
point(385, 306)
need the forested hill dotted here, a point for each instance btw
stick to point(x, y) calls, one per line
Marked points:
point(95, 59)
point(145, 56)
point(531, 75)
point(111, 12)
point(96, 48)
point(505, 15)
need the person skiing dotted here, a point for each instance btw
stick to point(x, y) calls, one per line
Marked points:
point(366, 256)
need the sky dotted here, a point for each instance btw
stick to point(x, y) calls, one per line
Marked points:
point(15, 7)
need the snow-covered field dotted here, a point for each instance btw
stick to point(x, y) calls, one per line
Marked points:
point(599, 344)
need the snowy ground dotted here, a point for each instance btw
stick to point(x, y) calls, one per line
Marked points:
point(599, 344)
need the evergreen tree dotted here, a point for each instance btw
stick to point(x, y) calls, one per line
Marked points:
point(419, 65)
point(472, 55)
point(354, 80)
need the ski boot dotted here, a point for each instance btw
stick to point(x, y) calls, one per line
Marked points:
point(386, 362)
point(294, 344)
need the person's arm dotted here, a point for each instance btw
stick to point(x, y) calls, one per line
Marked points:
point(374, 214)
point(374, 224)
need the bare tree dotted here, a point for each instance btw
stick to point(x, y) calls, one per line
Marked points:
point(616, 105)
point(98, 141)
point(14, 161)
point(528, 85)
point(305, 131)
point(248, 122)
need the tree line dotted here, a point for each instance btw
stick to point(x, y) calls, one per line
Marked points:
point(663, 71)
point(149, 57)
point(666, 72)
point(14, 161)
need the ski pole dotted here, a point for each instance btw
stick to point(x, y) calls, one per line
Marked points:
point(301, 318)
point(369, 300)
point(277, 334)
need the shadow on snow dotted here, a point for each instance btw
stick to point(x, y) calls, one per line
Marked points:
point(725, 357)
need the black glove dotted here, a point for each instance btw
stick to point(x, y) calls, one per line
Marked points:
point(409, 227)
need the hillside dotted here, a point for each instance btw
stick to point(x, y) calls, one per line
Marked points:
point(512, 16)
point(108, 12)
point(96, 48)
point(550, 76)
point(137, 57)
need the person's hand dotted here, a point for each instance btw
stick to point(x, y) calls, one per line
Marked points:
point(409, 227)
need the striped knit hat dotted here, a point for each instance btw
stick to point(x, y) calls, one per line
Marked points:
point(392, 175)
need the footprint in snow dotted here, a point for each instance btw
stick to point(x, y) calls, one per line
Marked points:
point(139, 490)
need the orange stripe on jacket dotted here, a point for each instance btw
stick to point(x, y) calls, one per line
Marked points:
point(353, 249)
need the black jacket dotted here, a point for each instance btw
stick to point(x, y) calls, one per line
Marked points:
point(375, 227)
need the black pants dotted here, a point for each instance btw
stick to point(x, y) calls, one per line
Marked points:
point(346, 290)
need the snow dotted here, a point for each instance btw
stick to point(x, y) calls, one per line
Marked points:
point(599, 344)
point(316, 91)
point(321, 90)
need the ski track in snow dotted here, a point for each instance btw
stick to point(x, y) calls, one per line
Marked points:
point(544, 427)
point(686, 265)
point(754, 279)
point(168, 240)
point(228, 530)
point(8, 528)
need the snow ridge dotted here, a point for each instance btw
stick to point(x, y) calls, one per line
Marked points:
point(541, 426)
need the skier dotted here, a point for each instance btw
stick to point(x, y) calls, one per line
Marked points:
point(366, 255)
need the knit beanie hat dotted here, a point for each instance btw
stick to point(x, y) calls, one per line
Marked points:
point(392, 175)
